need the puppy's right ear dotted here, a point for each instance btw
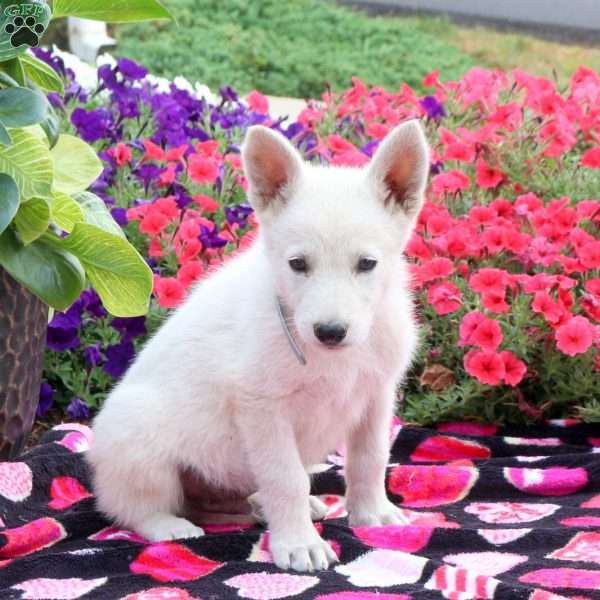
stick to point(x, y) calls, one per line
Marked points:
point(271, 165)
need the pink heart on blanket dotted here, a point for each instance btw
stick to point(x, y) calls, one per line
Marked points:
point(161, 593)
point(502, 536)
point(31, 537)
point(432, 485)
point(66, 491)
point(168, 561)
point(554, 481)
point(58, 589)
point(362, 596)
point(486, 563)
point(395, 537)
point(461, 583)
point(563, 578)
point(114, 533)
point(16, 481)
point(510, 512)
point(75, 441)
point(270, 586)
point(443, 448)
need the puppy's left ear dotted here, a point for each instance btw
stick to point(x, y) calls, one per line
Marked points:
point(400, 168)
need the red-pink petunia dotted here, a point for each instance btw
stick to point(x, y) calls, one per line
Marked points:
point(575, 336)
point(514, 368)
point(202, 169)
point(487, 335)
point(486, 367)
point(445, 298)
point(169, 291)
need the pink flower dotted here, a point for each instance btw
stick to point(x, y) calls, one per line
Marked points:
point(450, 183)
point(544, 304)
point(575, 336)
point(514, 368)
point(589, 255)
point(495, 303)
point(486, 367)
point(167, 206)
point(121, 153)
point(489, 280)
point(154, 222)
point(202, 169)
point(190, 272)
point(206, 203)
point(591, 158)
point(468, 325)
point(169, 291)
point(153, 152)
point(487, 335)
point(487, 177)
point(257, 102)
point(436, 268)
point(445, 298)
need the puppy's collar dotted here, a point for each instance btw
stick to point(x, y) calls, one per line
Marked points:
point(293, 344)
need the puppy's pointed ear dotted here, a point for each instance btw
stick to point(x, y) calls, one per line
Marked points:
point(271, 164)
point(400, 168)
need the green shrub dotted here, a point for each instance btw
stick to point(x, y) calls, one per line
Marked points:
point(294, 48)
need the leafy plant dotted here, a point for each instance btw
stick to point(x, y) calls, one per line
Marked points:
point(293, 48)
point(54, 235)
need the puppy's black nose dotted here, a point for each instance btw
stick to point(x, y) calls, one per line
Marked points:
point(330, 334)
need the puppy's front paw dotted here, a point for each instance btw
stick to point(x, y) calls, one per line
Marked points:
point(375, 514)
point(304, 552)
point(162, 528)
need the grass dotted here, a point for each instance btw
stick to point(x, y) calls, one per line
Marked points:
point(299, 47)
point(294, 48)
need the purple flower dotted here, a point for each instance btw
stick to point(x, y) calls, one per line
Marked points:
point(94, 125)
point(92, 355)
point(119, 358)
point(370, 147)
point(436, 167)
point(92, 303)
point(433, 108)
point(210, 237)
point(228, 94)
point(78, 409)
point(120, 216)
point(130, 70)
point(46, 400)
point(238, 214)
point(130, 327)
point(62, 334)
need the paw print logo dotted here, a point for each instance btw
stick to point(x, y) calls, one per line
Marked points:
point(24, 30)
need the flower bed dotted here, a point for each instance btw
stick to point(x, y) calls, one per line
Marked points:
point(506, 258)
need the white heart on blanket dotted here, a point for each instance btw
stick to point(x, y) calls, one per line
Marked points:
point(502, 536)
point(383, 568)
point(270, 586)
point(486, 563)
point(16, 481)
point(58, 589)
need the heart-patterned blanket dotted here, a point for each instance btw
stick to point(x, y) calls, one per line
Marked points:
point(489, 513)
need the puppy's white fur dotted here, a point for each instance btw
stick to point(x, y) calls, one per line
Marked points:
point(218, 390)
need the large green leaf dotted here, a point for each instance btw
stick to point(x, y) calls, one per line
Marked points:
point(29, 163)
point(33, 219)
point(51, 127)
point(20, 107)
point(41, 74)
point(50, 272)
point(14, 69)
point(113, 11)
point(96, 213)
point(5, 139)
point(9, 200)
point(76, 165)
point(118, 273)
point(66, 212)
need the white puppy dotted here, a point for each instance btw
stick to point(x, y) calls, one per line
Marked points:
point(245, 400)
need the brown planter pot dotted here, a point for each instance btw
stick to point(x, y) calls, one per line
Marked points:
point(23, 323)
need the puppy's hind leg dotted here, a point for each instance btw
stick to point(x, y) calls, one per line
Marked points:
point(145, 497)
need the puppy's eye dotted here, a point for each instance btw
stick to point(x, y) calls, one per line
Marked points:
point(366, 264)
point(298, 264)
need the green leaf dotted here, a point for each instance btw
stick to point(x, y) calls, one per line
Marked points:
point(118, 273)
point(4, 135)
point(41, 74)
point(66, 212)
point(51, 273)
point(113, 11)
point(20, 107)
point(51, 126)
point(14, 69)
point(76, 165)
point(96, 213)
point(9, 200)
point(7, 80)
point(29, 163)
point(33, 219)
